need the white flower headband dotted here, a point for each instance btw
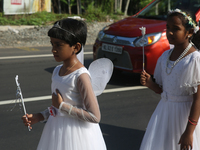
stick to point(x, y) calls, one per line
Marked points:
point(191, 21)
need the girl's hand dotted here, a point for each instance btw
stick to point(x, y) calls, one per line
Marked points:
point(186, 141)
point(32, 119)
point(56, 99)
point(145, 79)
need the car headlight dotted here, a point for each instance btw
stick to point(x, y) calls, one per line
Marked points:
point(100, 35)
point(148, 39)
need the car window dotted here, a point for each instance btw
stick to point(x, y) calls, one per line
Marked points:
point(159, 8)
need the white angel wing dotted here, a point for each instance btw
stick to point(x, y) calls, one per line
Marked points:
point(101, 71)
point(80, 55)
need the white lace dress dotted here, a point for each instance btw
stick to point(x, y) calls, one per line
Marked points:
point(170, 117)
point(75, 125)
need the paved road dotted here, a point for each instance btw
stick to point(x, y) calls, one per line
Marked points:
point(125, 106)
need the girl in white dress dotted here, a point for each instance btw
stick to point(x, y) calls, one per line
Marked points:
point(72, 120)
point(174, 123)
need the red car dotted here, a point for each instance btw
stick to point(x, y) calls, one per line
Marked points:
point(122, 42)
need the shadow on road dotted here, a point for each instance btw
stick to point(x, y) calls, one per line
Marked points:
point(125, 79)
point(119, 138)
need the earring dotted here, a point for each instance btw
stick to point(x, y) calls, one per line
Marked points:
point(188, 36)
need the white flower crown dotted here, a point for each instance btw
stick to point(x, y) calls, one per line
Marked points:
point(191, 21)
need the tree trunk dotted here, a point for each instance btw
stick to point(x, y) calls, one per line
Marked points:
point(116, 4)
point(156, 9)
point(126, 9)
point(77, 2)
point(79, 11)
point(69, 8)
point(59, 7)
point(120, 5)
point(42, 5)
point(112, 6)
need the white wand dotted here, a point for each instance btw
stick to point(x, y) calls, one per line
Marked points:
point(19, 95)
point(143, 30)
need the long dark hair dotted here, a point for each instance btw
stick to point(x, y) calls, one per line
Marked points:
point(196, 39)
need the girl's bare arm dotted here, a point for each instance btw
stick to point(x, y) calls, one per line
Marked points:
point(146, 80)
point(187, 137)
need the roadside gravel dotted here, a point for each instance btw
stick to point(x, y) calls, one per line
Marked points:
point(21, 36)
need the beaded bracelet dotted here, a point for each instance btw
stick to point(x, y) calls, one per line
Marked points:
point(192, 121)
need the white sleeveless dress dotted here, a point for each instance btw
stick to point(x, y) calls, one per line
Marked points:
point(170, 117)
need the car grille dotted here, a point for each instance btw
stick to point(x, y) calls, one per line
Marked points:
point(121, 61)
point(118, 40)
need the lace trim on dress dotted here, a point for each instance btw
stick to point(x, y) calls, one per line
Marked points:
point(191, 85)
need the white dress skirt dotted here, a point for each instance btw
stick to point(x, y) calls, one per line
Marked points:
point(170, 117)
point(66, 132)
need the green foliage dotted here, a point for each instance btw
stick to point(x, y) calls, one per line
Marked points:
point(108, 6)
point(40, 18)
point(143, 3)
point(3, 21)
point(94, 14)
point(64, 1)
point(72, 2)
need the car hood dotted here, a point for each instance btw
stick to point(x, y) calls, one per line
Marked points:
point(129, 27)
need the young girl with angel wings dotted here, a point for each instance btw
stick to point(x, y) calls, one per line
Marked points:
point(72, 120)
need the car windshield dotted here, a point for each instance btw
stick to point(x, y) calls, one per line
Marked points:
point(159, 8)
